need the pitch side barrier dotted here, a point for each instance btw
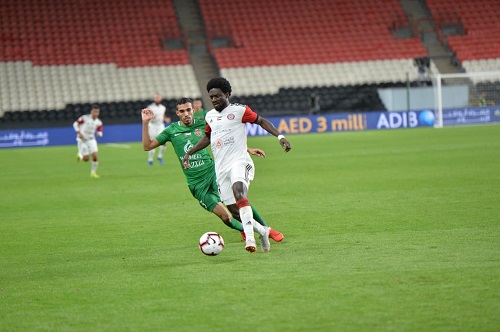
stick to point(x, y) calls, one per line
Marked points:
point(32, 137)
point(286, 125)
point(347, 122)
point(470, 115)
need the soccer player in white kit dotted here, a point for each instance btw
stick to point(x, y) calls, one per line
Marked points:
point(156, 126)
point(226, 132)
point(86, 127)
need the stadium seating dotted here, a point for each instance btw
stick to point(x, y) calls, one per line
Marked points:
point(113, 53)
point(283, 32)
point(49, 32)
point(57, 53)
point(480, 24)
point(284, 44)
point(31, 87)
point(270, 79)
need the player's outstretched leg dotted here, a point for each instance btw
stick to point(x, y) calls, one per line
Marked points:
point(257, 217)
point(221, 211)
point(275, 235)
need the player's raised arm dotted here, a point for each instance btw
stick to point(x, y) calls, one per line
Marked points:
point(147, 143)
point(202, 143)
point(271, 129)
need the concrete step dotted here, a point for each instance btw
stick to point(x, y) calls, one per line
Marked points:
point(445, 66)
point(193, 28)
point(414, 9)
point(417, 11)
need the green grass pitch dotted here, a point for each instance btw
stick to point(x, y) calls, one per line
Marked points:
point(384, 231)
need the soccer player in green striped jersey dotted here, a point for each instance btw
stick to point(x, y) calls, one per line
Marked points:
point(200, 177)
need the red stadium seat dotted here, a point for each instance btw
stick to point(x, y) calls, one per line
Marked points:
point(479, 20)
point(278, 30)
point(48, 31)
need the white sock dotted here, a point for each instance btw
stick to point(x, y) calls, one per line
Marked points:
point(162, 149)
point(151, 154)
point(259, 228)
point(246, 216)
point(93, 166)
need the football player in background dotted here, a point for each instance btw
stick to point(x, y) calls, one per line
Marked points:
point(198, 111)
point(156, 126)
point(86, 127)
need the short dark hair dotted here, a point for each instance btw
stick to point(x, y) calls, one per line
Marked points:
point(219, 83)
point(184, 100)
point(94, 106)
point(198, 98)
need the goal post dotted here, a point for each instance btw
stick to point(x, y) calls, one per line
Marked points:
point(466, 98)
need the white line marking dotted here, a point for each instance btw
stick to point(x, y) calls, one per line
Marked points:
point(121, 146)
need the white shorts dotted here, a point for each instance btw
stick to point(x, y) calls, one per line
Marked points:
point(87, 147)
point(155, 131)
point(242, 171)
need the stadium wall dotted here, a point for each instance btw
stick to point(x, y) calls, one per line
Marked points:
point(418, 98)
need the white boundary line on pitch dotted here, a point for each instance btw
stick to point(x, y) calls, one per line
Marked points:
point(121, 146)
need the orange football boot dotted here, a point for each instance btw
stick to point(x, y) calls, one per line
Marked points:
point(276, 236)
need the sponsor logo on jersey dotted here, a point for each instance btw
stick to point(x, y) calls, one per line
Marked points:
point(227, 141)
point(188, 146)
point(222, 131)
point(219, 118)
point(187, 134)
point(230, 116)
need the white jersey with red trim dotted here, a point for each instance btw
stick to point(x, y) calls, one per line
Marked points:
point(87, 126)
point(228, 135)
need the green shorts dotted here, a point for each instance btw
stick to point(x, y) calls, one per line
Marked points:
point(206, 192)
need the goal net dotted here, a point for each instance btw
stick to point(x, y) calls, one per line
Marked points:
point(466, 98)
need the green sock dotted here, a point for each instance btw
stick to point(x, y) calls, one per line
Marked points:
point(257, 217)
point(235, 224)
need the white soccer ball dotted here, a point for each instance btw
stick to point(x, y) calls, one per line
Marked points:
point(211, 243)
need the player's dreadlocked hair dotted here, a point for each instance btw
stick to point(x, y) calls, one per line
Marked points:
point(184, 100)
point(219, 83)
